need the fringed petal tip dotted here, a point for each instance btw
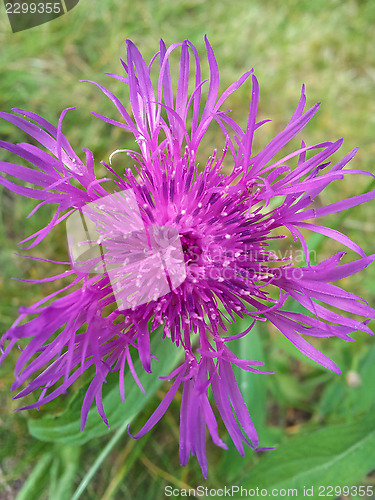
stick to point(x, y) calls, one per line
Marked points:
point(135, 436)
point(335, 369)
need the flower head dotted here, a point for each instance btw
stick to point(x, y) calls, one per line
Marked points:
point(178, 250)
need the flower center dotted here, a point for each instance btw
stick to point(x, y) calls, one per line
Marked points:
point(191, 246)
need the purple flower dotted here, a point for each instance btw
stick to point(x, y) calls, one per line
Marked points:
point(187, 248)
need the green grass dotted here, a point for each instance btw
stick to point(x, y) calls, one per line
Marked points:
point(328, 45)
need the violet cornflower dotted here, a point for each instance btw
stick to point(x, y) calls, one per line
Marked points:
point(186, 248)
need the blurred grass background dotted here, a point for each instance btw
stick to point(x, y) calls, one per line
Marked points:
point(326, 44)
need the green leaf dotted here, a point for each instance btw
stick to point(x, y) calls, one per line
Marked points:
point(340, 399)
point(363, 396)
point(37, 481)
point(61, 485)
point(66, 427)
point(103, 456)
point(338, 455)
